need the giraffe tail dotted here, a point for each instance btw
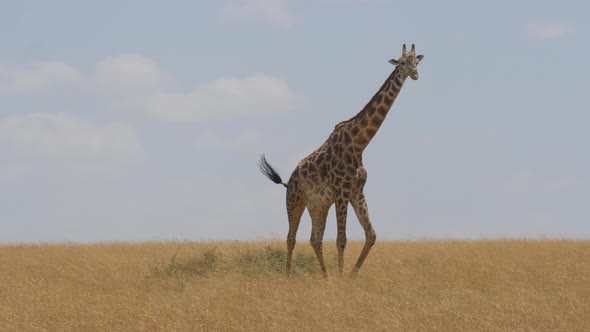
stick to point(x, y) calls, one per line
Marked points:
point(270, 172)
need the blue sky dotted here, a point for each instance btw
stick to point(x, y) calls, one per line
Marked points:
point(139, 120)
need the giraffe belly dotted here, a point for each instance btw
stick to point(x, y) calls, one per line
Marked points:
point(320, 194)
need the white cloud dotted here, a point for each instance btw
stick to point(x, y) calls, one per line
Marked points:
point(272, 11)
point(138, 83)
point(223, 99)
point(65, 137)
point(128, 76)
point(37, 77)
point(247, 139)
point(544, 30)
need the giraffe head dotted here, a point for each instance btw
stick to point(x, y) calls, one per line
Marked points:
point(408, 63)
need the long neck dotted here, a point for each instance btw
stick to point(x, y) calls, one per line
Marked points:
point(367, 122)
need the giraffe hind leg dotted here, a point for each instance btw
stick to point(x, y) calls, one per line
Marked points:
point(318, 214)
point(295, 208)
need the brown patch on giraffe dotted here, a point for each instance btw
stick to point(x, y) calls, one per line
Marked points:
point(364, 121)
point(346, 138)
point(351, 169)
point(379, 98)
point(362, 140)
point(319, 158)
point(346, 185)
point(334, 163)
point(382, 111)
point(347, 158)
point(315, 176)
point(371, 132)
point(304, 172)
point(324, 171)
point(376, 120)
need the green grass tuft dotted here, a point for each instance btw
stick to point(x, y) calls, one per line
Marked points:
point(268, 261)
point(202, 265)
point(272, 260)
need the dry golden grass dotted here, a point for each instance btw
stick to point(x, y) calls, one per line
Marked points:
point(403, 286)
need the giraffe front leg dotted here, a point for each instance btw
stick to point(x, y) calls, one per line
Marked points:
point(362, 213)
point(341, 211)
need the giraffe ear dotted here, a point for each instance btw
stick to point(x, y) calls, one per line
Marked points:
point(394, 62)
point(420, 57)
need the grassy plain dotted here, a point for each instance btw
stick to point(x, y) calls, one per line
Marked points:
point(503, 285)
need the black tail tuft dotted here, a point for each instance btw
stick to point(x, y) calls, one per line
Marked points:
point(270, 173)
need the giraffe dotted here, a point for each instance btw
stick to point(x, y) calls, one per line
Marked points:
point(334, 173)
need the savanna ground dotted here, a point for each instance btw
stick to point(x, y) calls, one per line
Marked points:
point(403, 286)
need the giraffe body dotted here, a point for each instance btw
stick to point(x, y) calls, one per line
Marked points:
point(334, 173)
